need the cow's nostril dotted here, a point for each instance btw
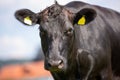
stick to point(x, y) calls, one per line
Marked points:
point(60, 64)
point(49, 64)
point(57, 63)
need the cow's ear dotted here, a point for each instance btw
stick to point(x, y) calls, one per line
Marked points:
point(84, 16)
point(26, 16)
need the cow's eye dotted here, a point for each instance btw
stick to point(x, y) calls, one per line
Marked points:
point(68, 32)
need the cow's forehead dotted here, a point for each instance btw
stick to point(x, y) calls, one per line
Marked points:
point(56, 18)
point(52, 11)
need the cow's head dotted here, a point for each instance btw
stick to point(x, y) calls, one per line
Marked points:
point(56, 32)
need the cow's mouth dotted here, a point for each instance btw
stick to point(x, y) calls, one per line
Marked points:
point(57, 68)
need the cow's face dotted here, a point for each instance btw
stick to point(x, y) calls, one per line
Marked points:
point(56, 32)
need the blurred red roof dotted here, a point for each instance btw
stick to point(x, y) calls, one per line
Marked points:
point(31, 70)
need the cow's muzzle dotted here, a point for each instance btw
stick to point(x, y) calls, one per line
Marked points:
point(55, 64)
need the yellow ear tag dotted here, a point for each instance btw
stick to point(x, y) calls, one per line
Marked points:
point(27, 20)
point(82, 20)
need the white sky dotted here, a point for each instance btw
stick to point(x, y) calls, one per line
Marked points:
point(20, 42)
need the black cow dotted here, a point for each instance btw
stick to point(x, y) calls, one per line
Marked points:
point(80, 41)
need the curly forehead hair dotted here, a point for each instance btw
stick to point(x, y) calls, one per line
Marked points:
point(53, 10)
